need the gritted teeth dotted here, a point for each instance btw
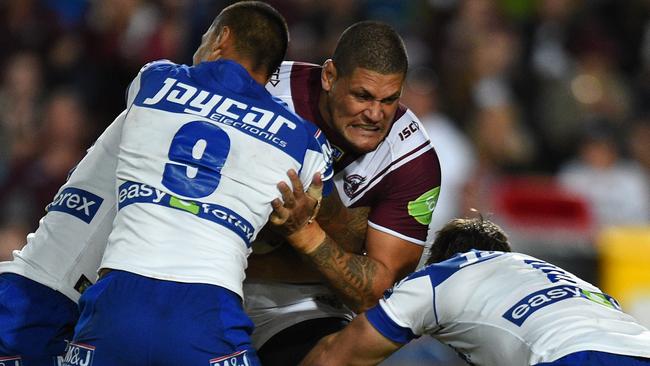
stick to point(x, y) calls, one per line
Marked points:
point(367, 127)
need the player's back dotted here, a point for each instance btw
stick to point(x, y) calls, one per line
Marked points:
point(202, 151)
point(507, 306)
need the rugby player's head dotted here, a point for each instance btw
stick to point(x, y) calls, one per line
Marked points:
point(251, 32)
point(371, 45)
point(462, 235)
point(362, 84)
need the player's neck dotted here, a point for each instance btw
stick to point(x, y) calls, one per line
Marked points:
point(259, 76)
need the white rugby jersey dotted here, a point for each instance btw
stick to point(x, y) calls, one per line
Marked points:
point(499, 308)
point(66, 249)
point(399, 181)
point(202, 150)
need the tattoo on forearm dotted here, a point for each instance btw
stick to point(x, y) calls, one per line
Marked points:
point(350, 274)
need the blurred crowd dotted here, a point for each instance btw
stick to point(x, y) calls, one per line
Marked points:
point(558, 89)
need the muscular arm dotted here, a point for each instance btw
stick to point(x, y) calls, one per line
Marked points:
point(358, 344)
point(337, 251)
point(282, 263)
point(359, 279)
point(346, 226)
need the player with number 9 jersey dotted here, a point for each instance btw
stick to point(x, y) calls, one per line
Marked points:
point(207, 161)
point(202, 150)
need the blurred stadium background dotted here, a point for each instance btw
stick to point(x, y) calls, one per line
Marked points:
point(539, 111)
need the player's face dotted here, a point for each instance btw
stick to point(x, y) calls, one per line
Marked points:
point(361, 106)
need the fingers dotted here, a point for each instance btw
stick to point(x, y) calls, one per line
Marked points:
point(295, 200)
point(282, 207)
point(296, 208)
point(315, 189)
point(288, 196)
point(294, 178)
point(215, 55)
point(280, 214)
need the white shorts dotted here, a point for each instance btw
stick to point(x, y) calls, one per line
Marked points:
point(275, 306)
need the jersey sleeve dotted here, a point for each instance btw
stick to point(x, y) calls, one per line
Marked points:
point(65, 251)
point(406, 311)
point(145, 71)
point(95, 173)
point(404, 200)
point(318, 158)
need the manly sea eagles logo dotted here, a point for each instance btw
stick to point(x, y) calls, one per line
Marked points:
point(352, 183)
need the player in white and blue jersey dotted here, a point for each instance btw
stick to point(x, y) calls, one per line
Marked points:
point(201, 150)
point(494, 308)
point(40, 287)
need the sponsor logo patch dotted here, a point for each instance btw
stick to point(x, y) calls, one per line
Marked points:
point(59, 360)
point(523, 309)
point(131, 192)
point(76, 202)
point(235, 359)
point(421, 209)
point(11, 361)
point(79, 355)
point(178, 97)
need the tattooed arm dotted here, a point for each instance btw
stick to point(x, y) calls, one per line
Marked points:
point(357, 261)
point(272, 260)
point(359, 279)
point(346, 226)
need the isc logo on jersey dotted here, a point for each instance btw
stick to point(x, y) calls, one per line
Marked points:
point(76, 202)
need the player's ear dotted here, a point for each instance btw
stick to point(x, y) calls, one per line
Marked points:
point(222, 42)
point(328, 75)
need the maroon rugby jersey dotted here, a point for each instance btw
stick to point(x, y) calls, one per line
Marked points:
point(399, 181)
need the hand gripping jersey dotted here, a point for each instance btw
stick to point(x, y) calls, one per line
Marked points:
point(399, 181)
point(201, 153)
point(499, 308)
point(66, 249)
